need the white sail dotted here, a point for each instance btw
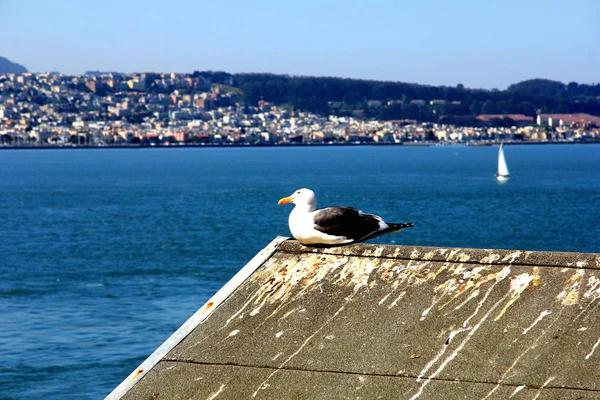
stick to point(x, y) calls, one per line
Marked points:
point(502, 167)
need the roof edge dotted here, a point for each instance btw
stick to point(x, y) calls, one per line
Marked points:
point(199, 316)
point(455, 254)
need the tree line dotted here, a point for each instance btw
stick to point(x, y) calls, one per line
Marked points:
point(458, 105)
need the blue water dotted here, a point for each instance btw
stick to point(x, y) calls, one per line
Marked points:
point(105, 253)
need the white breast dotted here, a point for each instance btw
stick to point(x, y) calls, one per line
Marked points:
point(302, 228)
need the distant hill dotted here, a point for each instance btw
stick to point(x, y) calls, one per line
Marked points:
point(8, 67)
point(398, 100)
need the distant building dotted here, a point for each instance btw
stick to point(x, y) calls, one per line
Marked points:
point(181, 136)
point(568, 119)
point(93, 86)
point(519, 119)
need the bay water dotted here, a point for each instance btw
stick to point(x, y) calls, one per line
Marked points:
point(104, 253)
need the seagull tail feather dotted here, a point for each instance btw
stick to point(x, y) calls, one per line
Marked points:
point(391, 228)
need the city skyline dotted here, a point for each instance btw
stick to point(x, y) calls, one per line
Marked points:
point(40, 110)
point(434, 43)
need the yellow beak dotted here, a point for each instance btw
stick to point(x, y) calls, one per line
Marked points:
point(285, 200)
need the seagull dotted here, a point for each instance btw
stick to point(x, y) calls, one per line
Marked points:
point(333, 226)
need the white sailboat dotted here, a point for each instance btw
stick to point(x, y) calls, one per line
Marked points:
point(502, 175)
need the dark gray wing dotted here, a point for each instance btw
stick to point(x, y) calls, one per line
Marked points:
point(347, 222)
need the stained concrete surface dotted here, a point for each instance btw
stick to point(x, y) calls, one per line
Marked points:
point(399, 322)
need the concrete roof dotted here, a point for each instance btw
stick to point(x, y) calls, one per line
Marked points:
point(392, 322)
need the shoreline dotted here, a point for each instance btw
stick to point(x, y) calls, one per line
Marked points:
point(234, 145)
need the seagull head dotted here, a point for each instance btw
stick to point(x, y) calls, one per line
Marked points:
point(301, 197)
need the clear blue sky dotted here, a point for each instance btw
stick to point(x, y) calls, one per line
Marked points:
point(478, 43)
